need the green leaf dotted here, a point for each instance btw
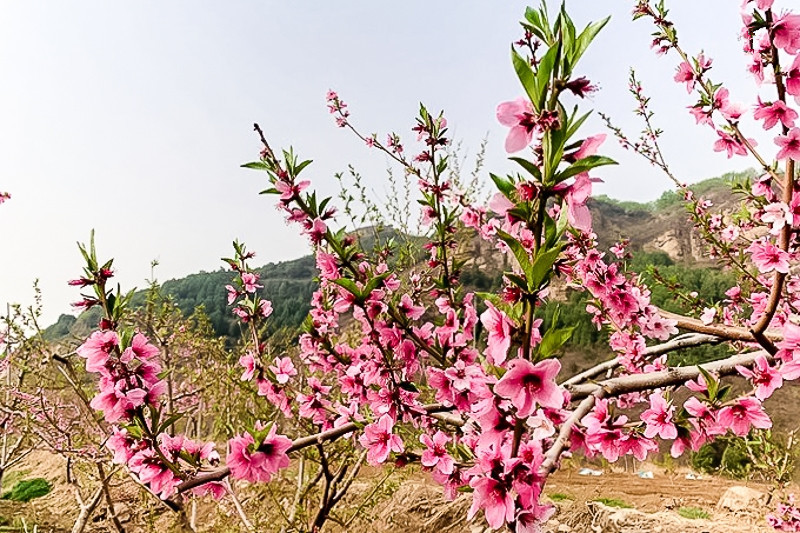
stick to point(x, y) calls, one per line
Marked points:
point(374, 283)
point(585, 39)
point(134, 431)
point(574, 125)
point(256, 165)
point(169, 421)
point(408, 385)
point(260, 435)
point(514, 312)
point(544, 73)
point(125, 339)
point(539, 22)
point(504, 185)
point(553, 341)
point(532, 169)
point(526, 77)
point(517, 280)
point(523, 258)
point(584, 165)
point(711, 384)
point(349, 285)
point(299, 168)
point(542, 266)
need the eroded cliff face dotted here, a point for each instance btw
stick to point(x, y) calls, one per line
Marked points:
point(671, 233)
point(667, 230)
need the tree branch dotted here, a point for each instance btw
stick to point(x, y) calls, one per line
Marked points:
point(298, 444)
point(687, 340)
point(663, 378)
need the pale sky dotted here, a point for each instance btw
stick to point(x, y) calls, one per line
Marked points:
point(132, 118)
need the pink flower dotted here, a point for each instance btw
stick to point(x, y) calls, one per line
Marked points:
point(288, 190)
point(732, 111)
point(789, 144)
point(407, 307)
point(635, 444)
point(326, 263)
point(792, 79)
point(708, 315)
point(499, 327)
point(249, 364)
point(775, 112)
point(317, 230)
point(115, 399)
point(728, 143)
point(232, 293)
point(379, 440)
point(258, 464)
point(250, 280)
point(435, 454)
point(283, 369)
point(141, 348)
point(765, 378)
point(97, 348)
point(120, 443)
point(777, 214)
point(495, 498)
point(265, 308)
point(659, 418)
point(744, 413)
point(760, 4)
point(659, 327)
point(216, 489)
point(589, 146)
point(786, 32)
point(686, 75)
point(527, 385)
point(500, 204)
point(519, 116)
point(768, 257)
point(701, 116)
point(578, 213)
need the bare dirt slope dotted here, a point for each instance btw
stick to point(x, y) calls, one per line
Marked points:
point(411, 503)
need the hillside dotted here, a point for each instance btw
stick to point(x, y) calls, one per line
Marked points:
point(660, 228)
point(662, 225)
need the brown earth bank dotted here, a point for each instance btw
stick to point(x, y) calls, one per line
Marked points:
point(409, 502)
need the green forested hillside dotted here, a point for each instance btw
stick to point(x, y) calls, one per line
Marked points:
point(289, 284)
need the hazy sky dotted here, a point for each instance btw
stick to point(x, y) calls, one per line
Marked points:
point(132, 118)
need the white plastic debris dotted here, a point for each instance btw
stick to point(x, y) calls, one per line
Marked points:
point(645, 474)
point(589, 472)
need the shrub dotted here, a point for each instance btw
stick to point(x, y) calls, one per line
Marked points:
point(693, 513)
point(29, 489)
point(614, 502)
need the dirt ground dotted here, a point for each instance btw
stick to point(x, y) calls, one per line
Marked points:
point(411, 503)
point(418, 506)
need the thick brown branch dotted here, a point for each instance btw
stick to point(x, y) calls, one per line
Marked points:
point(731, 333)
point(664, 378)
point(551, 458)
point(687, 340)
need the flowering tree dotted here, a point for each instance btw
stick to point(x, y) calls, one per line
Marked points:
point(407, 365)
point(16, 438)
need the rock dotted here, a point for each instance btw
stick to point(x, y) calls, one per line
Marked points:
point(740, 498)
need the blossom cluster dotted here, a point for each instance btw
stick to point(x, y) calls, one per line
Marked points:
point(786, 516)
